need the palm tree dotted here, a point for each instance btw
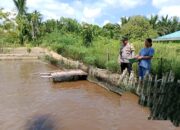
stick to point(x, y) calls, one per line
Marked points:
point(112, 30)
point(34, 23)
point(21, 18)
point(153, 21)
point(174, 24)
point(163, 25)
point(20, 6)
point(124, 20)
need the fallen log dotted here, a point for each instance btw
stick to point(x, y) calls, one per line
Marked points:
point(71, 75)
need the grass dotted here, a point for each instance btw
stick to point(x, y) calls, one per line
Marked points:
point(99, 54)
point(166, 58)
point(103, 53)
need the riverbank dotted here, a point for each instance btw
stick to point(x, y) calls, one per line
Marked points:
point(115, 82)
point(103, 53)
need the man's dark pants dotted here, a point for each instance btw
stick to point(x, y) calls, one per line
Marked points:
point(126, 65)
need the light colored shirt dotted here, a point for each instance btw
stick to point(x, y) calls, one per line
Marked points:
point(126, 53)
point(146, 63)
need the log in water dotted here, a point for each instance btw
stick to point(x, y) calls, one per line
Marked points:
point(71, 75)
point(62, 76)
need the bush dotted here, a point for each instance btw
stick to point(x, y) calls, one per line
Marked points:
point(76, 52)
point(57, 48)
point(87, 35)
point(90, 60)
point(138, 28)
point(112, 66)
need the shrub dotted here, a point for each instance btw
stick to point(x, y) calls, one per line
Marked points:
point(112, 66)
point(90, 60)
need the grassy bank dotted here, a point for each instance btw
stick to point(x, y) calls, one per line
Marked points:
point(103, 52)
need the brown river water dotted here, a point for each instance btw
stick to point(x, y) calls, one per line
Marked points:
point(29, 102)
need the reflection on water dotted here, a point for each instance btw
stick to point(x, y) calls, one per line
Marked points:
point(28, 102)
point(41, 123)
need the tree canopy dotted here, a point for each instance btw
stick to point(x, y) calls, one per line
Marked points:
point(29, 26)
point(138, 28)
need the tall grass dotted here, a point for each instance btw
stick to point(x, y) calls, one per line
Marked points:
point(104, 52)
point(166, 57)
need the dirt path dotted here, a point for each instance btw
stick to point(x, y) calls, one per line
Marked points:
point(21, 53)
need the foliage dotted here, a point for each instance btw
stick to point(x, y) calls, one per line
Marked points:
point(34, 20)
point(69, 25)
point(21, 19)
point(167, 25)
point(124, 20)
point(138, 28)
point(112, 65)
point(20, 6)
point(90, 60)
point(87, 34)
point(49, 26)
point(111, 30)
point(89, 43)
point(166, 57)
point(104, 52)
point(153, 21)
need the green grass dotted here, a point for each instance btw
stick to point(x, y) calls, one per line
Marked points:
point(166, 58)
point(103, 53)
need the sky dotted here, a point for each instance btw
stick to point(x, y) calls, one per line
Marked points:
point(98, 11)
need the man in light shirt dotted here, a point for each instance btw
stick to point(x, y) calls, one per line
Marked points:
point(126, 53)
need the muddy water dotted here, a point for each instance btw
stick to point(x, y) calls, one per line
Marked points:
point(28, 102)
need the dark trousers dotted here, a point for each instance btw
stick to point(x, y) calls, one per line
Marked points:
point(126, 65)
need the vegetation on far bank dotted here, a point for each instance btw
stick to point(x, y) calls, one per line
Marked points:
point(103, 53)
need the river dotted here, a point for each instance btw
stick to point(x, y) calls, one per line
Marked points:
point(29, 102)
